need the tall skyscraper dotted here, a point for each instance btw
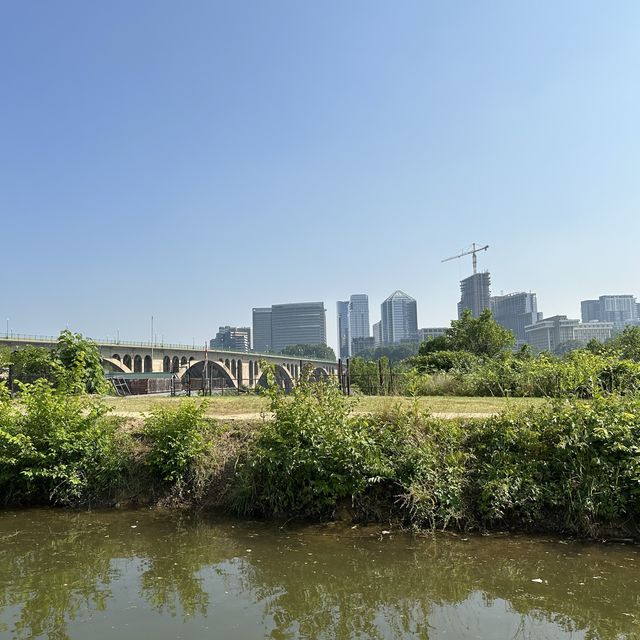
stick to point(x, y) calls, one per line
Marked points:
point(359, 316)
point(262, 329)
point(475, 294)
point(399, 318)
point(344, 331)
point(618, 309)
point(281, 325)
point(515, 311)
point(232, 338)
point(298, 323)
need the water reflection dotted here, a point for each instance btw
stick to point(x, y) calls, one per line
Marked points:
point(156, 575)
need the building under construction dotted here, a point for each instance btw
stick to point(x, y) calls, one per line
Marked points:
point(475, 294)
point(475, 291)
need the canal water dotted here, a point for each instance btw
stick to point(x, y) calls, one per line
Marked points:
point(149, 574)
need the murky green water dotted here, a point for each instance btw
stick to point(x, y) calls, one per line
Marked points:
point(145, 574)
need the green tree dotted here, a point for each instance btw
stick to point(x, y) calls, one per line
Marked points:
point(80, 358)
point(320, 351)
point(33, 363)
point(393, 352)
point(627, 344)
point(431, 345)
point(482, 336)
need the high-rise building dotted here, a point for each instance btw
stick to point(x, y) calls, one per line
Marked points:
point(344, 331)
point(399, 318)
point(515, 311)
point(590, 310)
point(377, 333)
point(475, 294)
point(359, 316)
point(550, 333)
point(298, 323)
point(281, 325)
point(262, 330)
point(232, 339)
point(619, 309)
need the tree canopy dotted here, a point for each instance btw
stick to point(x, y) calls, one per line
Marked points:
point(482, 336)
point(320, 351)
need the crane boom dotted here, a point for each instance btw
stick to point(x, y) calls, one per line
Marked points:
point(471, 252)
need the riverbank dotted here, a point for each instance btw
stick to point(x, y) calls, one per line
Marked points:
point(570, 467)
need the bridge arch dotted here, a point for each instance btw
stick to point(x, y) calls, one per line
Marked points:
point(175, 364)
point(283, 378)
point(166, 364)
point(114, 365)
point(319, 373)
point(126, 361)
point(148, 364)
point(196, 369)
point(137, 364)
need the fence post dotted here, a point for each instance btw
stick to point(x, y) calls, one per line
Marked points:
point(381, 377)
point(348, 376)
point(340, 375)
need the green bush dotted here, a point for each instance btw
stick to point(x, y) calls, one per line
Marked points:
point(57, 448)
point(310, 456)
point(177, 441)
point(573, 466)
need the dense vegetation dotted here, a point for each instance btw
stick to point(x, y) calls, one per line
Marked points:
point(320, 351)
point(570, 466)
point(74, 358)
point(476, 358)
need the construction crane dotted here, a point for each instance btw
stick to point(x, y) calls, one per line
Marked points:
point(472, 252)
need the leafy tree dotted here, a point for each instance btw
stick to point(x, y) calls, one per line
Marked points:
point(482, 336)
point(627, 344)
point(393, 352)
point(33, 363)
point(568, 346)
point(431, 345)
point(320, 351)
point(81, 358)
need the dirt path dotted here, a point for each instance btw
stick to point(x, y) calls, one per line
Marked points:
point(252, 417)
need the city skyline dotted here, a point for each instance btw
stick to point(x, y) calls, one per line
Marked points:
point(371, 142)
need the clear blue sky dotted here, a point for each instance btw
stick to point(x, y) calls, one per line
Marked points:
point(192, 160)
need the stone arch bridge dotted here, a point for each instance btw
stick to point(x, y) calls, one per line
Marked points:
point(237, 369)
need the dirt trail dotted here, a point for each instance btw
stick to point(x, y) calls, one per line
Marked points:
point(251, 417)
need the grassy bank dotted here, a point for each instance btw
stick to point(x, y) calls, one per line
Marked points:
point(571, 467)
point(251, 406)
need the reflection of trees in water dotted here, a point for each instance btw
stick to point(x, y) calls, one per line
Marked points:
point(310, 585)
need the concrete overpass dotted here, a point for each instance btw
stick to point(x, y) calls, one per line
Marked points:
point(237, 368)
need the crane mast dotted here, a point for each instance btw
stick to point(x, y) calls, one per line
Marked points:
point(472, 252)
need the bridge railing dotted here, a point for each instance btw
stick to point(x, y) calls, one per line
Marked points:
point(115, 342)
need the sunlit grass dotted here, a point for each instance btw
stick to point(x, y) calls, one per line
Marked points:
point(232, 405)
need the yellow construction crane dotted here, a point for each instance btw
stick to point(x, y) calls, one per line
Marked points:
point(472, 252)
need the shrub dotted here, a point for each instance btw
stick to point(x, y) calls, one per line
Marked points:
point(177, 440)
point(573, 466)
point(57, 448)
point(310, 456)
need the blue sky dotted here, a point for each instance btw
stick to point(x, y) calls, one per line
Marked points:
point(193, 160)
